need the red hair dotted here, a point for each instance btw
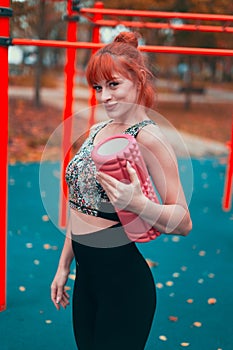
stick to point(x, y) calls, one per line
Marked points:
point(123, 57)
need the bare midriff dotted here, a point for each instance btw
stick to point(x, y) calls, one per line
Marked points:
point(83, 224)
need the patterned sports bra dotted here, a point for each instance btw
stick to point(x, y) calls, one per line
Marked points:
point(86, 195)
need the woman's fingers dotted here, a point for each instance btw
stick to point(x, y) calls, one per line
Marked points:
point(110, 180)
point(59, 294)
point(59, 297)
point(132, 173)
point(66, 295)
point(106, 179)
point(54, 297)
point(109, 184)
point(64, 301)
point(123, 195)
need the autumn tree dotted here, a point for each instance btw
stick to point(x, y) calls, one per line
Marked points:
point(39, 20)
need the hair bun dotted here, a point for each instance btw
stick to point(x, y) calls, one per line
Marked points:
point(130, 38)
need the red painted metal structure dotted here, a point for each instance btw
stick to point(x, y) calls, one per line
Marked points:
point(4, 32)
point(227, 195)
point(147, 48)
point(95, 40)
point(67, 113)
point(96, 16)
point(86, 12)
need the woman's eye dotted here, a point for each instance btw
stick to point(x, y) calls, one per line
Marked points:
point(97, 88)
point(113, 84)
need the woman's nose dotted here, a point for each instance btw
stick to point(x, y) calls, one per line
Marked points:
point(106, 95)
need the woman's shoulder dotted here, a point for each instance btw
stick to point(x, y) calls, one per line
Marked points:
point(156, 149)
point(152, 137)
point(135, 128)
point(149, 131)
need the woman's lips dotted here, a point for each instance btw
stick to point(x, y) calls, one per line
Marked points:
point(110, 106)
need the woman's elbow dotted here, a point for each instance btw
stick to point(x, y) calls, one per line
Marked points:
point(183, 229)
point(186, 227)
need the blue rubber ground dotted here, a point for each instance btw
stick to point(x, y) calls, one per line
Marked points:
point(190, 270)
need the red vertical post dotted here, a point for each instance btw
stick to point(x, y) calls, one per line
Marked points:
point(96, 40)
point(227, 195)
point(4, 34)
point(67, 113)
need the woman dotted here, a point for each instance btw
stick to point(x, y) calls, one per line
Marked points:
point(114, 296)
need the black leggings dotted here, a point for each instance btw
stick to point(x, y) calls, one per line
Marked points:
point(114, 295)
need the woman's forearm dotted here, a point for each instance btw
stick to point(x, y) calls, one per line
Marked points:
point(173, 218)
point(67, 255)
point(59, 295)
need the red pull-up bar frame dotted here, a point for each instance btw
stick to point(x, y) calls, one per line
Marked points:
point(153, 14)
point(227, 194)
point(5, 32)
point(67, 112)
point(147, 48)
point(158, 25)
point(71, 45)
point(227, 19)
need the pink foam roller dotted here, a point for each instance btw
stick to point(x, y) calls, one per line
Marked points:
point(111, 156)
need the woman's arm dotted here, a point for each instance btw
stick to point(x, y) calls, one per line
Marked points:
point(172, 216)
point(166, 218)
point(58, 293)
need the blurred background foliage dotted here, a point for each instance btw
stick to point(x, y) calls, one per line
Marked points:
point(45, 20)
point(38, 67)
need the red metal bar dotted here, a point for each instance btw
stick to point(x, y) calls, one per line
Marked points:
point(4, 32)
point(227, 195)
point(158, 14)
point(67, 113)
point(158, 49)
point(158, 25)
point(56, 43)
point(187, 50)
point(95, 40)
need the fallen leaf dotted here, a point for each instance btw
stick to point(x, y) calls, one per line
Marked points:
point(163, 337)
point(185, 344)
point(212, 301)
point(173, 318)
point(189, 301)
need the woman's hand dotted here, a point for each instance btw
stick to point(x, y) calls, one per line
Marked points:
point(58, 294)
point(122, 195)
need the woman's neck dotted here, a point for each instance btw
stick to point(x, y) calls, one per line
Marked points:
point(136, 116)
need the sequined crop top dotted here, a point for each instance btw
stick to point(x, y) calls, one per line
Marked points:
point(86, 195)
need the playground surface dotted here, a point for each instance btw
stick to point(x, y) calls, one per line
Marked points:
point(192, 274)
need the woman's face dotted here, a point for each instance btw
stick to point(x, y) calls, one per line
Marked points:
point(119, 96)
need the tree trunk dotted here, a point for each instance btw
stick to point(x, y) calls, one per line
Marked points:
point(38, 77)
point(188, 85)
point(39, 63)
